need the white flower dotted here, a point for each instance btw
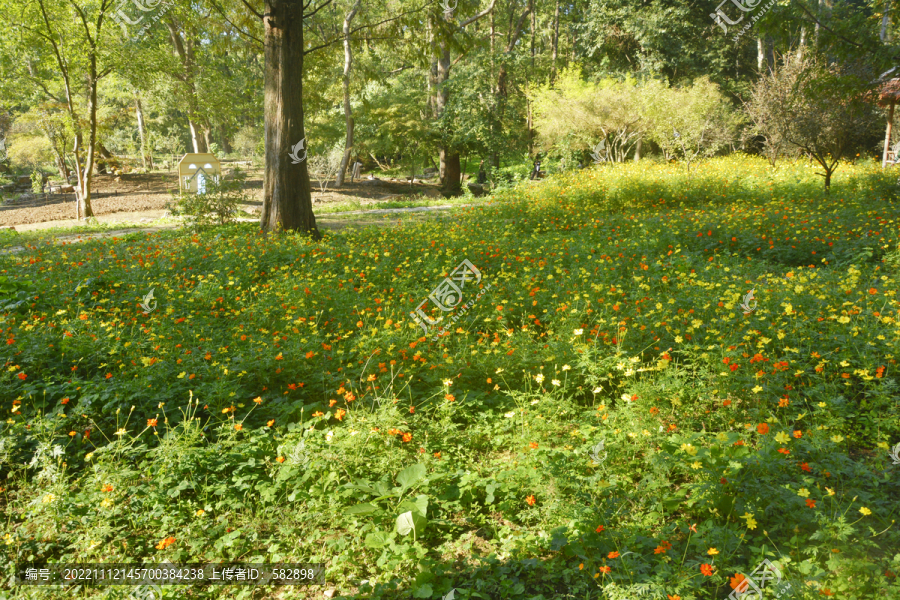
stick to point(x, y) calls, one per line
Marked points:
point(448, 382)
point(121, 432)
point(539, 377)
point(597, 390)
point(555, 382)
point(533, 402)
point(510, 414)
point(579, 331)
point(626, 397)
point(498, 371)
point(328, 436)
point(566, 367)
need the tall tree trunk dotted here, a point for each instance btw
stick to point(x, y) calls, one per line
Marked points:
point(223, 137)
point(287, 201)
point(555, 51)
point(196, 140)
point(449, 169)
point(146, 158)
point(802, 46)
point(348, 114)
point(637, 150)
point(501, 90)
point(206, 140)
point(885, 19)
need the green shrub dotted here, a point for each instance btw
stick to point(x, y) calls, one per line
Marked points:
point(217, 206)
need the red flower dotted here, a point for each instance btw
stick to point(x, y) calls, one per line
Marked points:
point(763, 428)
point(64, 401)
point(22, 376)
point(706, 569)
point(810, 503)
point(600, 528)
point(805, 467)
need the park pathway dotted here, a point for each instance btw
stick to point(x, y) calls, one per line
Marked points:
point(334, 221)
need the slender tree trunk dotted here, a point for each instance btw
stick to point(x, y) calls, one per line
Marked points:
point(348, 114)
point(760, 54)
point(206, 140)
point(802, 45)
point(146, 159)
point(555, 50)
point(287, 198)
point(637, 150)
point(885, 19)
point(196, 141)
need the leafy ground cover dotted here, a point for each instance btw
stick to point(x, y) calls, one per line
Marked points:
point(275, 402)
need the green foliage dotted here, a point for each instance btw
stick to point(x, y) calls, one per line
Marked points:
point(30, 152)
point(37, 181)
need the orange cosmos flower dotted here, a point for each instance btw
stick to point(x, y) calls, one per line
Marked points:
point(64, 401)
point(339, 414)
point(763, 428)
point(738, 583)
point(165, 543)
point(533, 445)
point(238, 426)
point(280, 459)
point(107, 488)
point(270, 422)
point(530, 500)
point(318, 413)
point(706, 569)
point(613, 554)
point(22, 376)
point(798, 434)
point(605, 569)
point(151, 422)
point(673, 597)
point(407, 437)
point(600, 528)
point(810, 503)
point(449, 397)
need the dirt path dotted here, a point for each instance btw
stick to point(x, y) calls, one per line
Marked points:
point(120, 197)
point(335, 221)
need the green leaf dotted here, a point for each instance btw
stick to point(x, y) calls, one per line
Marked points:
point(410, 521)
point(410, 475)
point(361, 509)
point(423, 591)
point(379, 539)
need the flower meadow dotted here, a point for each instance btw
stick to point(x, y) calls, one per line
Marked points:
point(280, 405)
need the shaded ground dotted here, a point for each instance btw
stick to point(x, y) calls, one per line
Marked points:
point(138, 192)
point(155, 223)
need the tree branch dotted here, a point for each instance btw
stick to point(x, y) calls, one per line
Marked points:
point(252, 10)
point(471, 20)
point(239, 30)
